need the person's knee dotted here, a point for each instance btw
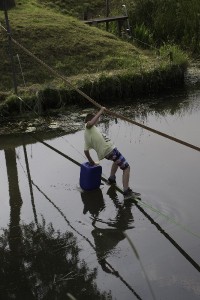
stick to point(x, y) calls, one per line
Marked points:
point(127, 169)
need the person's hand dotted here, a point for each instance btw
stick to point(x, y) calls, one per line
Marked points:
point(103, 108)
point(91, 162)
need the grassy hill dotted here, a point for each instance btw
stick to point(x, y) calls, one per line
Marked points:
point(64, 43)
point(78, 7)
point(93, 8)
point(72, 48)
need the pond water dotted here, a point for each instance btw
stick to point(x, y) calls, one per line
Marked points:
point(41, 203)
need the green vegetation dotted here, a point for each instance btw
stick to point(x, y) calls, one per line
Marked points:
point(64, 43)
point(165, 21)
point(168, 21)
point(77, 8)
point(94, 60)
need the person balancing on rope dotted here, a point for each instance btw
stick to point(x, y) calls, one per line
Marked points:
point(105, 148)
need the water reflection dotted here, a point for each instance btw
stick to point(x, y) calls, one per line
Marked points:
point(107, 239)
point(11, 261)
point(170, 239)
point(182, 104)
point(124, 217)
point(30, 184)
point(93, 202)
point(94, 208)
point(46, 267)
point(38, 262)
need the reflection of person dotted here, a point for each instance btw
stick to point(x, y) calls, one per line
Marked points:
point(106, 239)
point(105, 148)
point(93, 202)
point(124, 217)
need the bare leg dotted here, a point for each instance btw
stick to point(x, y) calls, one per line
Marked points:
point(125, 178)
point(113, 169)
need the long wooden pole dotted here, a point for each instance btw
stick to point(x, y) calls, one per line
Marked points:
point(85, 96)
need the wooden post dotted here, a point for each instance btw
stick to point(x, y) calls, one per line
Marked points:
point(107, 14)
point(11, 4)
point(120, 23)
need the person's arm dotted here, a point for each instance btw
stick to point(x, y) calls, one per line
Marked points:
point(87, 154)
point(96, 117)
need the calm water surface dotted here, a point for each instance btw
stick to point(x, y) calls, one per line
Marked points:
point(40, 197)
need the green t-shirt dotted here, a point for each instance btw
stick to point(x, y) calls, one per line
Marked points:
point(94, 139)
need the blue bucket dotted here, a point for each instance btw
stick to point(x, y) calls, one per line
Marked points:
point(90, 176)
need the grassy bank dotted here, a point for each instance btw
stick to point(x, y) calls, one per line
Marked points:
point(102, 65)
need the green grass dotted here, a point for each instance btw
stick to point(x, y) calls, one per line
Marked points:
point(66, 44)
point(63, 42)
point(78, 7)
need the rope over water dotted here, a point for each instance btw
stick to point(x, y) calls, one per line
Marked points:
point(114, 114)
point(148, 206)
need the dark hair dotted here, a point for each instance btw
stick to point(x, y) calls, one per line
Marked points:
point(89, 117)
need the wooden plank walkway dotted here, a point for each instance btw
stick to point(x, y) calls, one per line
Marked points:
point(119, 19)
point(105, 20)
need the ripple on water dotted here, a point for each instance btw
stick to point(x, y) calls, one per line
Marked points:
point(164, 213)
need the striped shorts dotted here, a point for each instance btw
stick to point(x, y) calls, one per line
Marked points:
point(118, 158)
